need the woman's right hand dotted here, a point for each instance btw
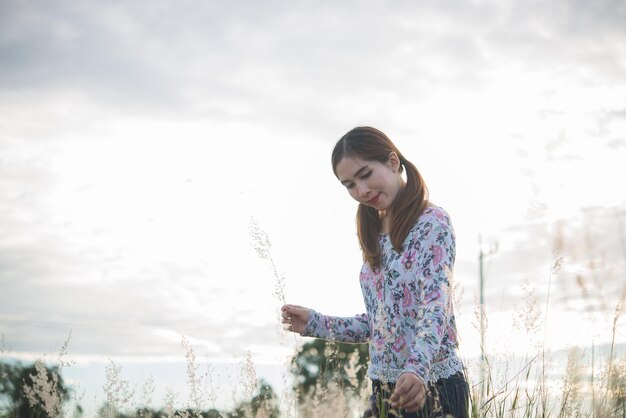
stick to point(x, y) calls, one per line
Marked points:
point(294, 318)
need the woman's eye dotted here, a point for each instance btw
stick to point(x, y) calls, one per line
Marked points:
point(366, 175)
point(350, 186)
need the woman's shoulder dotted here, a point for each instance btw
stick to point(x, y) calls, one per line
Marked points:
point(433, 214)
point(431, 224)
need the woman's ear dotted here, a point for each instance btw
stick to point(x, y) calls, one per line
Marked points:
point(394, 161)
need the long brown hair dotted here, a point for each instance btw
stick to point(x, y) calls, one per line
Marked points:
point(370, 144)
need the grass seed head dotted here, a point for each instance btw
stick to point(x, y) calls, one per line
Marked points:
point(260, 239)
point(558, 263)
point(44, 391)
point(118, 391)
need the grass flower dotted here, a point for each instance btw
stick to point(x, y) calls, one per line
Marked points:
point(118, 391)
point(248, 376)
point(527, 315)
point(193, 380)
point(44, 391)
point(262, 245)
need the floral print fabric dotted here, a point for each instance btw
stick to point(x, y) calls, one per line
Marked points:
point(409, 324)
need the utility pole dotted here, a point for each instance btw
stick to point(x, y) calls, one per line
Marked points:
point(481, 257)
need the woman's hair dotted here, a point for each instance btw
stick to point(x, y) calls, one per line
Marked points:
point(370, 144)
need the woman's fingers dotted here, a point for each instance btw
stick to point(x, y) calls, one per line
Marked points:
point(416, 403)
point(402, 392)
point(412, 407)
point(291, 309)
point(409, 394)
point(285, 315)
point(295, 315)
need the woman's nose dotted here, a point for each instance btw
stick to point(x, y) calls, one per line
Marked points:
point(362, 189)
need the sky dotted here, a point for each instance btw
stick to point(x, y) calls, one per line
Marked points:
point(138, 141)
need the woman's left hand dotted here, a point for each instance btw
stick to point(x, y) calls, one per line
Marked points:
point(409, 394)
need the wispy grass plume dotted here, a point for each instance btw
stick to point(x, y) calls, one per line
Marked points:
point(118, 391)
point(262, 245)
point(44, 391)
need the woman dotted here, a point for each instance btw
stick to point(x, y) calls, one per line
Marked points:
point(408, 251)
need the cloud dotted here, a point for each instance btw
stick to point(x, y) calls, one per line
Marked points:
point(591, 262)
point(286, 61)
point(83, 249)
point(125, 125)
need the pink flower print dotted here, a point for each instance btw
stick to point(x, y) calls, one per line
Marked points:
point(407, 298)
point(379, 281)
point(437, 253)
point(364, 276)
point(328, 323)
point(379, 290)
point(438, 328)
point(380, 342)
point(399, 344)
point(451, 335)
point(432, 296)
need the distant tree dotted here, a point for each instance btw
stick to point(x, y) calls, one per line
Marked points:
point(263, 404)
point(161, 413)
point(212, 413)
point(8, 379)
point(319, 362)
point(32, 391)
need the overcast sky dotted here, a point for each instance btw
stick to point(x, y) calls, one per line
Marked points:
point(138, 139)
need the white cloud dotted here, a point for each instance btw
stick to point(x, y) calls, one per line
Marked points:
point(137, 142)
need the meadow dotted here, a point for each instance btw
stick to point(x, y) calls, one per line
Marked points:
point(501, 386)
point(538, 382)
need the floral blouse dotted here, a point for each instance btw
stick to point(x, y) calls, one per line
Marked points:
point(409, 324)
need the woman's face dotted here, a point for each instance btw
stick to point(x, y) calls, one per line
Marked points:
point(369, 182)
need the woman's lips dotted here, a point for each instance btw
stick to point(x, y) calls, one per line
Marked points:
point(374, 199)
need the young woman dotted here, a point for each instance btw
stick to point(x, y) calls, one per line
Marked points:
point(408, 251)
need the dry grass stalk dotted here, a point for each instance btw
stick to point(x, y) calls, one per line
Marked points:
point(248, 377)
point(44, 391)
point(147, 391)
point(170, 399)
point(211, 394)
point(617, 388)
point(571, 396)
point(329, 397)
point(616, 314)
point(527, 317)
point(193, 379)
point(118, 391)
point(61, 359)
point(326, 401)
point(262, 245)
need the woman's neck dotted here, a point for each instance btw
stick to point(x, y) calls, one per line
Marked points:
point(385, 216)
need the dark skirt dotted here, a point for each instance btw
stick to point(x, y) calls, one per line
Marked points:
point(446, 397)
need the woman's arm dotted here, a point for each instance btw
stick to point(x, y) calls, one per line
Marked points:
point(433, 298)
point(309, 323)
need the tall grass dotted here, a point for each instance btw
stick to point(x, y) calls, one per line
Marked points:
point(512, 390)
point(589, 387)
point(534, 385)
